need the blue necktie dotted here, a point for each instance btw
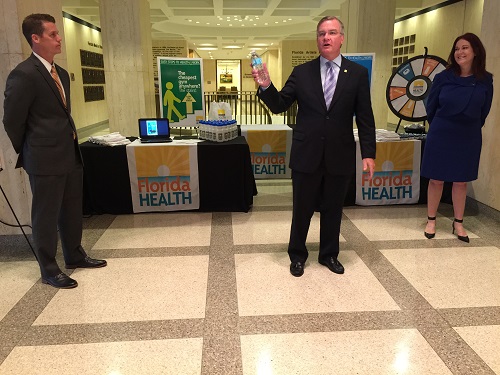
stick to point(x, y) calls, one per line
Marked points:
point(330, 83)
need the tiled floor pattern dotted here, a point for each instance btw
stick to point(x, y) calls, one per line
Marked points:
point(211, 293)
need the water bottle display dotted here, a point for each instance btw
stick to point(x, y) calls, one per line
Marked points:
point(257, 65)
point(218, 130)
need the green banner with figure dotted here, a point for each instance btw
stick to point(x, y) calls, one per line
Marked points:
point(180, 89)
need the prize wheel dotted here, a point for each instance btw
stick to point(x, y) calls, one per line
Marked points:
point(410, 84)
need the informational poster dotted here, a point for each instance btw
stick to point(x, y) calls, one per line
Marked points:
point(365, 59)
point(269, 150)
point(397, 174)
point(180, 82)
point(163, 177)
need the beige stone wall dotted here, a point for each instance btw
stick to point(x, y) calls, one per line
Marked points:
point(486, 189)
point(80, 37)
point(295, 52)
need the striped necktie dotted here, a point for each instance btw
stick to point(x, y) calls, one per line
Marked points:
point(54, 75)
point(330, 83)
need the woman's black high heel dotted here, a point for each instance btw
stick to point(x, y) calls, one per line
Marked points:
point(461, 238)
point(430, 235)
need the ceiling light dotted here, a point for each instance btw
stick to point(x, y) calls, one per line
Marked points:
point(207, 48)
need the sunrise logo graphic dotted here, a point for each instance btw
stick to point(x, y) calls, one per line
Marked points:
point(268, 152)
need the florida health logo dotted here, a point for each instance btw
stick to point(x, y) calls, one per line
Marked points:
point(268, 153)
point(164, 191)
point(387, 186)
point(392, 181)
point(163, 177)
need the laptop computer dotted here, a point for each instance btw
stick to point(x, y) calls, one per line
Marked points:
point(154, 130)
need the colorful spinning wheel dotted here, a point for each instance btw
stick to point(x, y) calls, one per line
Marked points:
point(409, 86)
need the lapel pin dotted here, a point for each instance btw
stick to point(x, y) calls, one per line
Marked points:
point(345, 70)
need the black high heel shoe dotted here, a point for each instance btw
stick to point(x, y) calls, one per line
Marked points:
point(461, 238)
point(430, 235)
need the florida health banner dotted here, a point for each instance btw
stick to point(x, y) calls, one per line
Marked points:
point(163, 177)
point(269, 149)
point(397, 174)
point(180, 82)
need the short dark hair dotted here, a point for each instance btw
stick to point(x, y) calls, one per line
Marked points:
point(479, 62)
point(33, 24)
point(331, 18)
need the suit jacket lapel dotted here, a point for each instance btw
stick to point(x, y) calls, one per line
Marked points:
point(316, 82)
point(342, 80)
point(48, 78)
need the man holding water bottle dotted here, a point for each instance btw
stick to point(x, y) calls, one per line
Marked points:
point(329, 90)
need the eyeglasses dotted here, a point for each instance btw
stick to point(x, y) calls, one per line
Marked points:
point(332, 33)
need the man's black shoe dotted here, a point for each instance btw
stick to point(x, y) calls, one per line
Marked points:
point(88, 262)
point(333, 265)
point(62, 281)
point(297, 269)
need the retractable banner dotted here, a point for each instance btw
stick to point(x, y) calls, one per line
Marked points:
point(163, 177)
point(397, 175)
point(180, 87)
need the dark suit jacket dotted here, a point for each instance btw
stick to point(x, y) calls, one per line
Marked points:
point(326, 131)
point(39, 126)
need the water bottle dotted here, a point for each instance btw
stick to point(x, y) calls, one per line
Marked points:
point(257, 65)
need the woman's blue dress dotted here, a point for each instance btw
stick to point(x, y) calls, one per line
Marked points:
point(456, 110)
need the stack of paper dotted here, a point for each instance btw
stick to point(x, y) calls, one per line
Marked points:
point(111, 139)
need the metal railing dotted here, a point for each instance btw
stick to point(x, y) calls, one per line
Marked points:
point(247, 108)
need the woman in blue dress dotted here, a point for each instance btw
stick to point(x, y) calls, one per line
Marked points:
point(457, 106)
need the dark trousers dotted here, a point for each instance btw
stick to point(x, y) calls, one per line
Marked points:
point(57, 204)
point(317, 191)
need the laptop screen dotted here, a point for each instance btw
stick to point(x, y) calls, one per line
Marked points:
point(154, 128)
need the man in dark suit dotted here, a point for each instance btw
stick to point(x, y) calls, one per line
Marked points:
point(37, 119)
point(329, 91)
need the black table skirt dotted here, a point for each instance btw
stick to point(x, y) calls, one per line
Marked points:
point(226, 179)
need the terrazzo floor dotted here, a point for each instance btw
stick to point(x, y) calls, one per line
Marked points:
point(211, 293)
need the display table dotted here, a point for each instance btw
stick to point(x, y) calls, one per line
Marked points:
point(269, 150)
point(226, 181)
